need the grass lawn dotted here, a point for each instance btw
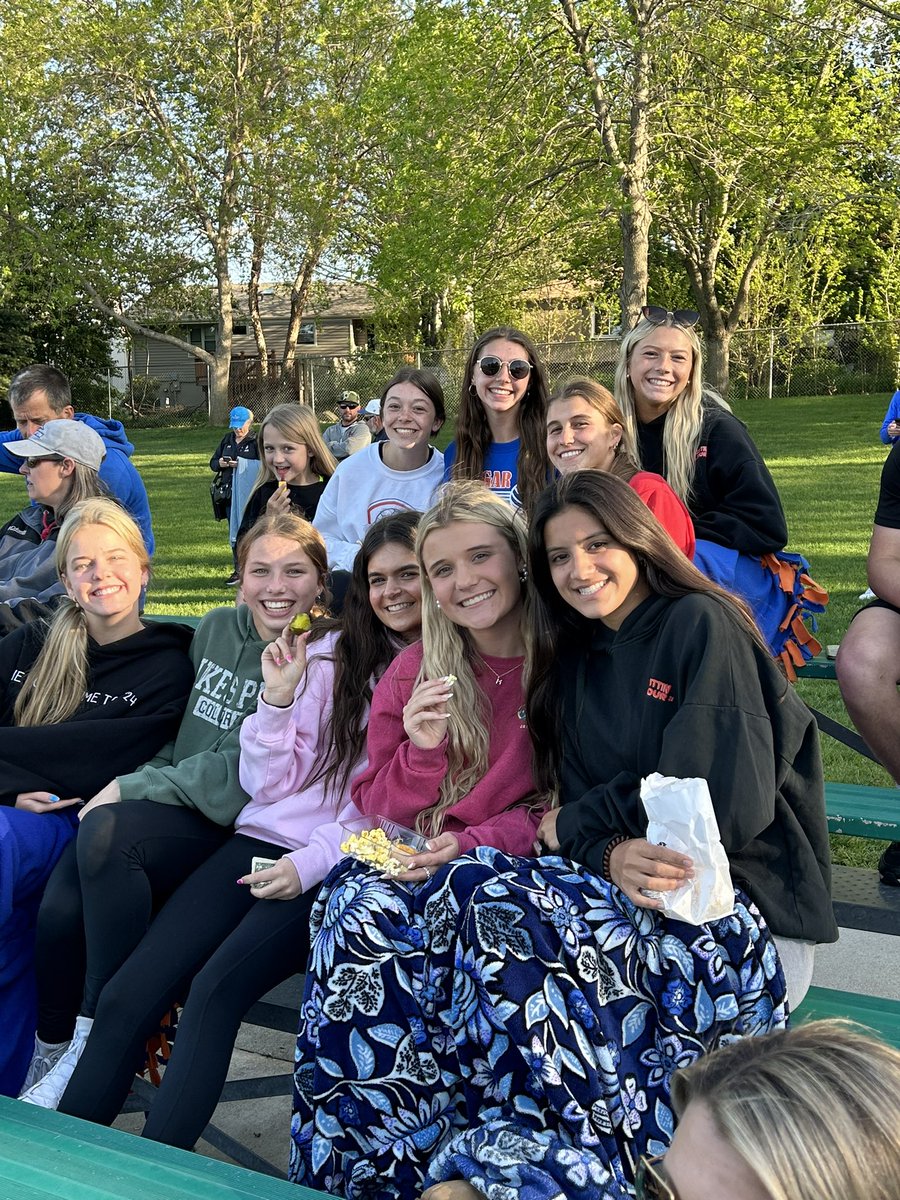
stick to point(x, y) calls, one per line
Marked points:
point(824, 453)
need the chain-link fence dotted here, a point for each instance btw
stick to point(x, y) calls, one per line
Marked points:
point(848, 359)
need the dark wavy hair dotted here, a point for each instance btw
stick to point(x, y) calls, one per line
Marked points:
point(364, 650)
point(556, 626)
point(425, 381)
point(473, 433)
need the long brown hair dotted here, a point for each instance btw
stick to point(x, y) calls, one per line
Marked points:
point(364, 650)
point(473, 433)
point(556, 625)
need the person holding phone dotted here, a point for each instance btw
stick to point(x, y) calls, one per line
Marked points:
point(235, 457)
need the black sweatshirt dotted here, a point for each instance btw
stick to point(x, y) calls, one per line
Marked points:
point(304, 501)
point(230, 447)
point(136, 695)
point(734, 501)
point(681, 690)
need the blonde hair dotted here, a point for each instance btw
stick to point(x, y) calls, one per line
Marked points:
point(85, 485)
point(54, 688)
point(601, 400)
point(814, 1111)
point(297, 423)
point(681, 435)
point(447, 648)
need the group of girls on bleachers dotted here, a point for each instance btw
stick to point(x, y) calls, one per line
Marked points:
point(508, 1011)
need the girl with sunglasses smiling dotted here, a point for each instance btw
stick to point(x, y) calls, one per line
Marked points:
point(683, 430)
point(500, 428)
point(586, 432)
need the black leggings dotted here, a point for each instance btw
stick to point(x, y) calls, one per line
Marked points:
point(127, 860)
point(235, 946)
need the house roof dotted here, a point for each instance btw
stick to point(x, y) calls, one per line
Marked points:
point(329, 300)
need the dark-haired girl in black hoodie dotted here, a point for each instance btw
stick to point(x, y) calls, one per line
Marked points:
point(576, 997)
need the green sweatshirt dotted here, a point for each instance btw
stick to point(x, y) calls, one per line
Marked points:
point(200, 768)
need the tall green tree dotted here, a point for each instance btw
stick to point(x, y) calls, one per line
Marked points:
point(177, 143)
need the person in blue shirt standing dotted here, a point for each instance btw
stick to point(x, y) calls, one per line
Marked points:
point(890, 426)
point(41, 393)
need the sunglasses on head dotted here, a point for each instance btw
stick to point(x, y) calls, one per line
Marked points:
point(31, 463)
point(519, 368)
point(686, 317)
point(651, 1181)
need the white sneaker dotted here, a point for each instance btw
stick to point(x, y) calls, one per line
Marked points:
point(868, 594)
point(46, 1055)
point(48, 1092)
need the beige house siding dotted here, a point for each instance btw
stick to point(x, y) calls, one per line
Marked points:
point(342, 324)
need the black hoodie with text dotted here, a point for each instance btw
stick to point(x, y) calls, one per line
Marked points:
point(135, 698)
point(680, 689)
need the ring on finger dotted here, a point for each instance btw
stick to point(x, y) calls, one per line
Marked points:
point(428, 871)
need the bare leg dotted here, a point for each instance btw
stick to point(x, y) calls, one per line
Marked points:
point(868, 671)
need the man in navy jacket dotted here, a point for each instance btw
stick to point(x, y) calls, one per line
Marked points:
point(40, 393)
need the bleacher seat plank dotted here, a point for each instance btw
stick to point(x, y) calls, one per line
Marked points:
point(883, 1016)
point(45, 1155)
point(863, 811)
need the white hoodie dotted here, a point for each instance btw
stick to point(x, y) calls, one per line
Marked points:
point(361, 491)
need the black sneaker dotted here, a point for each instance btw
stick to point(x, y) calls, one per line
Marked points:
point(232, 580)
point(889, 865)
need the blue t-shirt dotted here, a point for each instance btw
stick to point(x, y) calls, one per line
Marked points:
point(892, 414)
point(500, 471)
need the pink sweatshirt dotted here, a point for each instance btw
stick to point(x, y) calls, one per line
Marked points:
point(281, 748)
point(400, 780)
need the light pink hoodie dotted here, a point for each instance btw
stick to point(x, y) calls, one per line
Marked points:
point(281, 750)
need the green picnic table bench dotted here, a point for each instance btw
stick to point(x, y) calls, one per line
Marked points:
point(44, 1154)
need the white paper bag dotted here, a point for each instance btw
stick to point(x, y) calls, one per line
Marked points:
point(681, 817)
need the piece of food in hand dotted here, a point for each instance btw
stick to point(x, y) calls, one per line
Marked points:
point(449, 680)
point(282, 485)
point(300, 623)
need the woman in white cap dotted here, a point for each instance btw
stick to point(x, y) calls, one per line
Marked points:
point(60, 465)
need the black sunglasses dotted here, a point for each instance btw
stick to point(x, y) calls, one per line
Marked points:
point(344, 404)
point(519, 368)
point(686, 317)
point(31, 463)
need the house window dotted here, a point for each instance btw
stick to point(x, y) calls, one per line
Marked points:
point(307, 333)
point(240, 330)
point(203, 335)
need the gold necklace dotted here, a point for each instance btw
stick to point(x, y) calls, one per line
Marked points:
point(499, 678)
